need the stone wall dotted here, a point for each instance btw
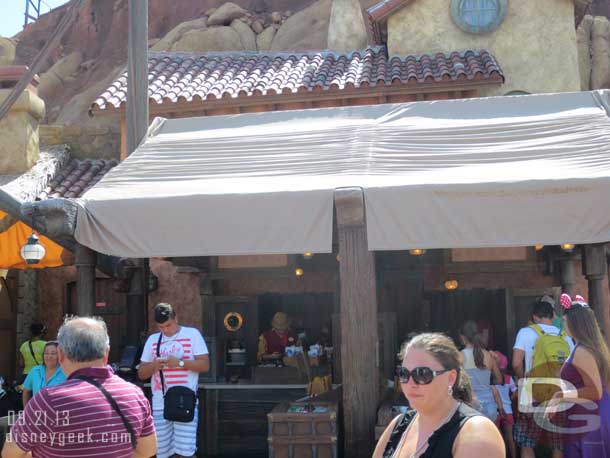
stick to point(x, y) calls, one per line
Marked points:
point(535, 45)
point(594, 52)
point(85, 142)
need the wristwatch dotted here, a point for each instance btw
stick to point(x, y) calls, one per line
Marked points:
point(181, 363)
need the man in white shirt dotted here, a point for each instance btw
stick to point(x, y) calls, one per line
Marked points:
point(182, 355)
point(526, 433)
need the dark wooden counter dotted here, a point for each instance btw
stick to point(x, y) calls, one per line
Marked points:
point(235, 417)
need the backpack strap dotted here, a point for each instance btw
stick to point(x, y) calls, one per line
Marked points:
point(115, 406)
point(537, 329)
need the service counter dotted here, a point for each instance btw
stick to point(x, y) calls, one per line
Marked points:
point(233, 421)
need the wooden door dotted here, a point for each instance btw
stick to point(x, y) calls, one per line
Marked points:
point(8, 325)
point(111, 306)
point(519, 307)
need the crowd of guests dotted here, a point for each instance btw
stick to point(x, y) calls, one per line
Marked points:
point(466, 403)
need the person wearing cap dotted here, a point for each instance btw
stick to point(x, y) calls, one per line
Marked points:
point(273, 342)
point(182, 356)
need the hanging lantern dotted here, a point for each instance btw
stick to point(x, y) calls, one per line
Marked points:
point(298, 272)
point(32, 252)
point(417, 252)
point(539, 247)
point(451, 285)
point(308, 255)
point(567, 247)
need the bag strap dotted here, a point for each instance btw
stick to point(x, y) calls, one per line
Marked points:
point(32, 352)
point(537, 329)
point(114, 405)
point(161, 370)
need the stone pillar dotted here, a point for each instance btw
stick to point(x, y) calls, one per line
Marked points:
point(85, 260)
point(19, 144)
point(595, 268)
point(359, 339)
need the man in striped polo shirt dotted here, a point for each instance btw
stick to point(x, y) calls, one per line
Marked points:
point(93, 414)
point(182, 355)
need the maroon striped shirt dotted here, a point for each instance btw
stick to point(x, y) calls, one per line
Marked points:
point(74, 419)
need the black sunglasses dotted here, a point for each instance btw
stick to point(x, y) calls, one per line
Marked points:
point(421, 375)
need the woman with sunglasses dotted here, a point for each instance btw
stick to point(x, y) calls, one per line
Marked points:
point(587, 370)
point(441, 425)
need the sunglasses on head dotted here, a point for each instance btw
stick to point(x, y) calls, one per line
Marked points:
point(421, 375)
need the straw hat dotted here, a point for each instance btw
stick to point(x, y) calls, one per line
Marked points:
point(280, 321)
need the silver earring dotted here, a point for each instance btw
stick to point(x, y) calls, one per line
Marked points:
point(450, 390)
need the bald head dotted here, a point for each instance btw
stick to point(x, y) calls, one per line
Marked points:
point(83, 339)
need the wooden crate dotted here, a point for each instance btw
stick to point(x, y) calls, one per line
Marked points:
point(303, 435)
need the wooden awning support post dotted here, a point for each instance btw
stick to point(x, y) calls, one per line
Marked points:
point(595, 268)
point(85, 260)
point(359, 327)
point(568, 275)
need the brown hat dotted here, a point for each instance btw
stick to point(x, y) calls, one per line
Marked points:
point(280, 321)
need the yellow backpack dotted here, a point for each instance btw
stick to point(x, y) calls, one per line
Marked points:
point(550, 352)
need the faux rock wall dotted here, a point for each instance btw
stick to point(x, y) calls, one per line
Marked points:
point(594, 52)
point(85, 142)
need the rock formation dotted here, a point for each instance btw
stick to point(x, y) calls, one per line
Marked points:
point(7, 51)
point(346, 30)
point(594, 52)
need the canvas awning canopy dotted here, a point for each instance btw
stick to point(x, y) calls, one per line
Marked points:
point(491, 172)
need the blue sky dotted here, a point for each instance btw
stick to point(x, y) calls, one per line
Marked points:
point(12, 14)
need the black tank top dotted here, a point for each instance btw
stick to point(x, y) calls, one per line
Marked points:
point(440, 443)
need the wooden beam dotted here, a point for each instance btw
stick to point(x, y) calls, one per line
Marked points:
point(359, 340)
point(85, 282)
point(595, 268)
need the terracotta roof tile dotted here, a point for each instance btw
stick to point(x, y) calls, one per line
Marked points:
point(76, 177)
point(175, 77)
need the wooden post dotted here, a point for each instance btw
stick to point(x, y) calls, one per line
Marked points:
point(137, 74)
point(85, 283)
point(359, 340)
point(568, 276)
point(137, 125)
point(595, 268)
point(208, 306)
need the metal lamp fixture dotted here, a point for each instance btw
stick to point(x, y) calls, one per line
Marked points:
point(298, 272)
point(567, 247)
point(308, 255)
point(451, 285)
point(417, 252)
point(32, 252)
point(538, 247)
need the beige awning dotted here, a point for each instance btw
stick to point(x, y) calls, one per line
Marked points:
point(503, 171)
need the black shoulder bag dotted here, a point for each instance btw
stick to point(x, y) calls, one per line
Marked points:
point(179, 402)
point(32, 352)
point(114, 405)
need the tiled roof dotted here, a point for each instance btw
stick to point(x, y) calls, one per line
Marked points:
point(76, 178)
point(180, 77)
point(56, 174)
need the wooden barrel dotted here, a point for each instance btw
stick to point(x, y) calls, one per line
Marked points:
point(303, 430)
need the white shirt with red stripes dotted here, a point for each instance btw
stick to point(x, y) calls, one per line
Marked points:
point(185, 345)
